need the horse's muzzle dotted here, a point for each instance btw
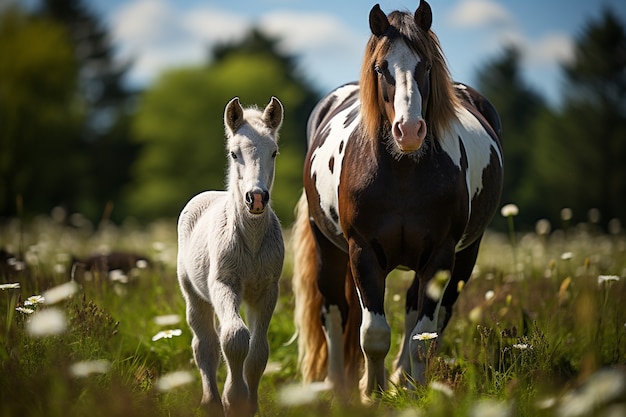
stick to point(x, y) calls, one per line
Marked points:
point(257, 201)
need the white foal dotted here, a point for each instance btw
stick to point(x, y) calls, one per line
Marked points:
point(230, 251)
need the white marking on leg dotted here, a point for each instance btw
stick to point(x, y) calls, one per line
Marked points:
point(334, 337)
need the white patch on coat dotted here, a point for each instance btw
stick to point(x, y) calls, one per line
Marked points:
point(327, 182)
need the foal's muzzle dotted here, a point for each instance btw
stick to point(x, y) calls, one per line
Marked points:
point(257, 201)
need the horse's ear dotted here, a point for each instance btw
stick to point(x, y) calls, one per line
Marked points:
point(233, 115)
point(378, 21)
point(273, 114)
point(424, 16)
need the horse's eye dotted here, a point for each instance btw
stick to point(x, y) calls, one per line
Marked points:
point(274, 154)
point(233, 155)
point(377, 69)
point(429, 67)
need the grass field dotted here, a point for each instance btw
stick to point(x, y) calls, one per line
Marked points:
point(539, 330)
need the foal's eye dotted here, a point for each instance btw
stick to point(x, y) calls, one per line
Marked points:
point(378, 70)
point(233, 155)
point(274, 154)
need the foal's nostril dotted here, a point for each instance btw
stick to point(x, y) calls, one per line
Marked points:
point(249, 198)
point(266, 197)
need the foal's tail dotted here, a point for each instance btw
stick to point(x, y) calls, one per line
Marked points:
point(312, 349)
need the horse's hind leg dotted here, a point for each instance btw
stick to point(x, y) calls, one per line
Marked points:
point(205, 346)
point(259, 315)
point(235, 342)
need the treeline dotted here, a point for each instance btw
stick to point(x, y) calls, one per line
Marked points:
point(72, 134)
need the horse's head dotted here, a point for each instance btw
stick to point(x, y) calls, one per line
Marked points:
point(403, 70)
point(252, 148)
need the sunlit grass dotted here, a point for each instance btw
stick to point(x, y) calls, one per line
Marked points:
point(539, 330)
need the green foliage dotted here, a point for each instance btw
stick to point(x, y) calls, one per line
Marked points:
point(38, 112)
point(180, 125)
point(570, 156)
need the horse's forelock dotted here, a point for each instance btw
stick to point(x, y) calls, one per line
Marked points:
point(442, 104)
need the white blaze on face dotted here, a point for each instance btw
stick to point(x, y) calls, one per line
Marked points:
point(408, 126)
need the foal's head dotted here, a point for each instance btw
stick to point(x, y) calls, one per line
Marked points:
point(252, 149)
point(405, 84)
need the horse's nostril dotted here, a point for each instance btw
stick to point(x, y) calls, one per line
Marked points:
point(249, 198)
point(266, 197)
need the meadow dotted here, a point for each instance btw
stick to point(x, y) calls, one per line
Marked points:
point(539, 329)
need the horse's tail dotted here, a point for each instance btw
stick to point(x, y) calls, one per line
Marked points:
point(312, 348)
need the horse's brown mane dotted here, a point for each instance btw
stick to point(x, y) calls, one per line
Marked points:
point(442, 103)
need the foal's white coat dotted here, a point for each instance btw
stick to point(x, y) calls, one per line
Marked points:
point(231, 250)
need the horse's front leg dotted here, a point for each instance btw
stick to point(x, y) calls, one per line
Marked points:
point(259, 314)
point(369, 277)
point(331, 274)
point(427, 301)
point(235, 342)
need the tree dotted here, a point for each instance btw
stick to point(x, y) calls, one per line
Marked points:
point(180, 126)
point(519, 106)
point(108, 106)
point(38, 113)
point(579, 159)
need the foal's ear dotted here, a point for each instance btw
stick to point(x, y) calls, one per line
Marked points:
point(378, 21)
point(233, 115)
point(424, 16)
point(273, 114)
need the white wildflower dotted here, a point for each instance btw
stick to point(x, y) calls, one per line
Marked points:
point(33, 300)
point(489, 295)
point(166, 334)
point(301, 394)
point(60, 292)
point(509, 210)
point(425, 336)
point(490, 408)
point(11, 286)
point(25, 310)
point(173, 380)
point(522, 346)
point(442, 388)
point(85, 368)
point(141, 264)
point(566, 214)
point(117, 275)
point(566, 256)
point(607, 278)
point(167, 320)
point(47, 322)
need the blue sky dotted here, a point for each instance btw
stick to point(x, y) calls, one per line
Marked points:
point(329, 36)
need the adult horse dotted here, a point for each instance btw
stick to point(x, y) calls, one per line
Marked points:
point(403, 169)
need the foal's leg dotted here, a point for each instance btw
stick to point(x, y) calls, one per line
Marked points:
point(235, 341)
point(205, 345)
point(259, 314)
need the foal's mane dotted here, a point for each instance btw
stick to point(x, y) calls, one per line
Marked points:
point(442, 102)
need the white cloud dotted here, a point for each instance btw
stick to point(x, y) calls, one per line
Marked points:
point(478, 13)
point(213, 25)
point(156, 35)
point(550, 49)
point(326, 46)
